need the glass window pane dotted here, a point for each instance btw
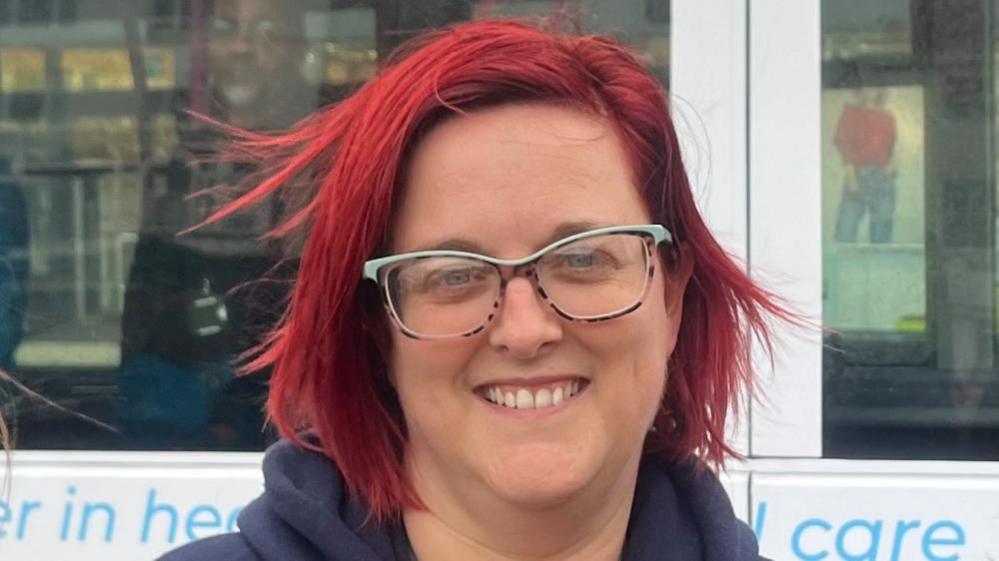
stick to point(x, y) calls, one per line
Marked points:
point(128, 329)
point(909, 237)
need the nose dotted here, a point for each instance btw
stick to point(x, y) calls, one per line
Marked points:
point(242, 42)
point(525, 326)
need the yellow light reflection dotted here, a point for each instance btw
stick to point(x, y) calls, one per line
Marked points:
point(22, 70)
point(109, 69)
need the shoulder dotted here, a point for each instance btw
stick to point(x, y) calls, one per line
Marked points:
point(231, 547)
point(703, 498)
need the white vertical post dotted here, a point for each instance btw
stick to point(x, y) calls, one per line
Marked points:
point(708, 83)
point(785, 241)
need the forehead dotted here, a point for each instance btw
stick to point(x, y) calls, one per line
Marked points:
point(505, 178)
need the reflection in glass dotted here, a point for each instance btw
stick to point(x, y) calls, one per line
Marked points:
point(103, 308)
point(22, 70)
point(873, 197)
point(908, 195)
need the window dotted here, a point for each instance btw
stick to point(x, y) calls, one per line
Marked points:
point(127, 328)
point(909, 229)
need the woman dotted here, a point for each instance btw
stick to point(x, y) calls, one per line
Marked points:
point(512, 335)
point(185, 316)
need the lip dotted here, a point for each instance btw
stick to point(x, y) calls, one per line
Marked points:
point(531, 414)
point(531, 382)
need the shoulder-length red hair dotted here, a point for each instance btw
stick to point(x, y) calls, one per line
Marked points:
point(328, 375)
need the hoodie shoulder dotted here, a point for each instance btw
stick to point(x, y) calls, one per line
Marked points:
point(231, 547)
point(725, 537)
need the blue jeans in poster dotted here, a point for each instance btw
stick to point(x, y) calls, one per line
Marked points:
point(875, 196)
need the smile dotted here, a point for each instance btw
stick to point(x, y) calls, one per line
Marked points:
point(550, 394)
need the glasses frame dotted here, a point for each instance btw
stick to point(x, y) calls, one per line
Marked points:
point(654, 234)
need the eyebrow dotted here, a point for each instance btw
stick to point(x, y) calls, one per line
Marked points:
point(561, 231)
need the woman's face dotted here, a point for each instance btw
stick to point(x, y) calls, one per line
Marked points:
point(508, 181)
point(249, 43)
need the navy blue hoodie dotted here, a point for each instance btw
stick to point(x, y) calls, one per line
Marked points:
point(305, 514)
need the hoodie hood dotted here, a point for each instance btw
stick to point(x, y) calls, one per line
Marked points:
point(306, 514)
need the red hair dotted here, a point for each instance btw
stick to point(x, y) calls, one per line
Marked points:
point(328, 374)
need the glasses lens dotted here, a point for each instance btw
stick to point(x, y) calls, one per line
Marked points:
point(596, 276)
point(441, 296)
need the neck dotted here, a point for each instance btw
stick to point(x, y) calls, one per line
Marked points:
point(590, 527)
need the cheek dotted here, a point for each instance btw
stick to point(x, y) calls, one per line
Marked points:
point(650, 352)
point(423, 371)
point(651, 356)
point(271, 58)
point(652, 331)
point(636, 355)
point(217, 54)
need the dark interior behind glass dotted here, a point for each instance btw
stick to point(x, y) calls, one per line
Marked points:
point(909, 231)
point(129, 330)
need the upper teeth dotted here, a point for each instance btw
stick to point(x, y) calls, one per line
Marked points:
point(523, 398)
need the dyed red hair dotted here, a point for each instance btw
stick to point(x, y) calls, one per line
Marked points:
point(328, 374)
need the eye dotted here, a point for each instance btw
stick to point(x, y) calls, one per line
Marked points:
point(579, 264)
point(221, 26)
point(456, 284)
point(579, 260)
point(457, 277)
point(266, 28)
point(454, 277)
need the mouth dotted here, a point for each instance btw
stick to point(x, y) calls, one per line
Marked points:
point(240, 94)
point(533, 395)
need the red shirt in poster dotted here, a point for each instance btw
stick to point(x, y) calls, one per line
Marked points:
point(865, 135)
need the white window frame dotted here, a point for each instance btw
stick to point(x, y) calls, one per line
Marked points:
point(746, 86)
point(785, 216)
point(709, 112)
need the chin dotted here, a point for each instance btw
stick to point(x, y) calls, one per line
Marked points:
point(241, 95)
point(541, 476)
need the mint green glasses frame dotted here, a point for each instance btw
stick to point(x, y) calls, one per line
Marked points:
point(654, 234)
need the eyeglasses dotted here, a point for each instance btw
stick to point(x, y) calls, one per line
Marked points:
point(220, 28)
point(594, 276)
